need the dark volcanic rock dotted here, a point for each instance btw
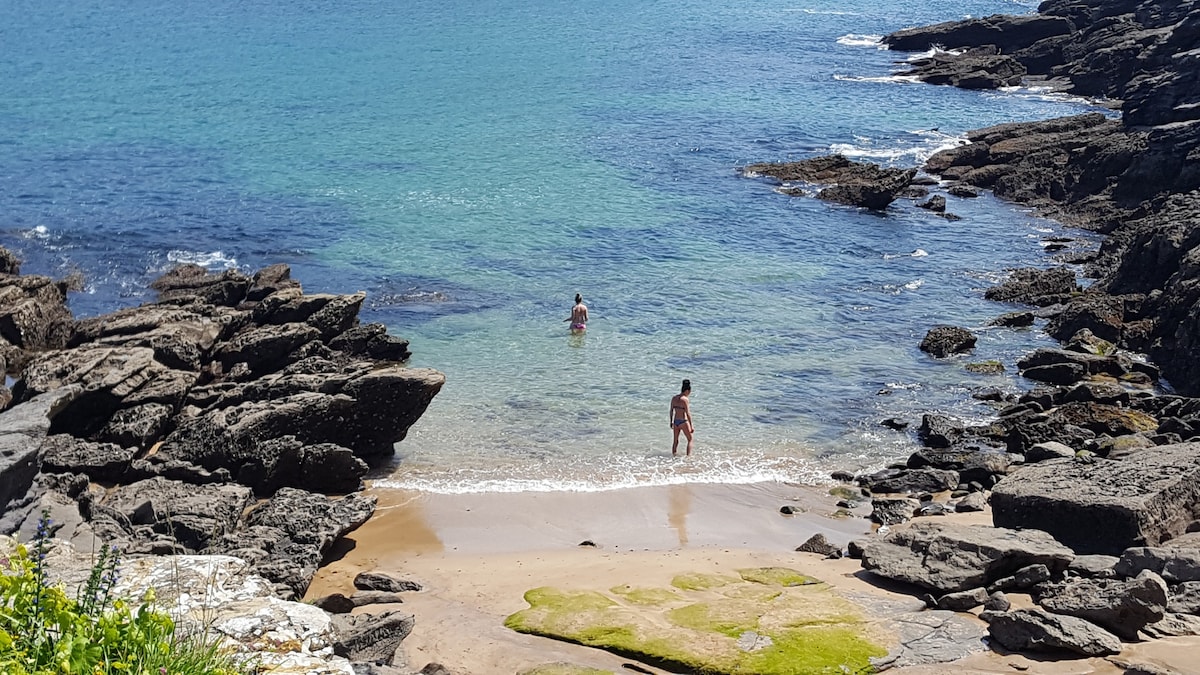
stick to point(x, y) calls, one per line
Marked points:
point(1009, 33)
point(854, 183)
point(1121, 607)
point(1038, 630)
point(1035, 286)
point(977, 68)
point(1107, 506)
point(942, 341)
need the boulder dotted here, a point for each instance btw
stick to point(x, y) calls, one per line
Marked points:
point(909, 481)
point(1037, 630)
point(1041, 287)
point(948, 558)
point(384, 581)
point(1094, 566)
point(1184, 598)
point(22, 430)
point(942, 341)
point(963, 600)
point(1107, 506)
point(1048, 450)
point(371, 637)
point(893, 511)
point(821, 546)
point(854, 183)
point(1173, 564)
point(1121, 607)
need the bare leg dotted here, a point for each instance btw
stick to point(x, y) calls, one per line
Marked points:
point(675, 445)
point(687, 429)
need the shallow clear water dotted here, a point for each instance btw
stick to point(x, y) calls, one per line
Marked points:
point(473, 165)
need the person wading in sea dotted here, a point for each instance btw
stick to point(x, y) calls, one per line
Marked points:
point(681, 417)
point(579, 315)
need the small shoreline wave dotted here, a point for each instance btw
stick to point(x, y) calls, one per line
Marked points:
point(927, 142)
point(604, 474)
point(878, 79)
point(862, 40)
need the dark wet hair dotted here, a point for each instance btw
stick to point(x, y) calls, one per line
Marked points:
point(578, 298)
point(687, 386)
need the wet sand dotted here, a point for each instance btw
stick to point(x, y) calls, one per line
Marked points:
point(476, 555)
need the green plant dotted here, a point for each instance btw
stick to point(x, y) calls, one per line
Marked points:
point(45, 632)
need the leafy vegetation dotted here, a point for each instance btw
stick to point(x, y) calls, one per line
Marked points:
point(43, 631)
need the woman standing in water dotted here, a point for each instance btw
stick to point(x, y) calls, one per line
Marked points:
point(681, 417)
point(579, 315)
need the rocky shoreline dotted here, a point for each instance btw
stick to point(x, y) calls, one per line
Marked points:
point(236, 416)
point(225, 419)
point(1093, 454)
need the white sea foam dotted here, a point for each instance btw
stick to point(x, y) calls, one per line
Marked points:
point(1047, 94)
point(858, 40)
point(883, 79)
point(931, 52)
point(601, 474)
point(211, 260)
point(824, 12)
point(914, 284)
point(924, 144)
point(37, 232)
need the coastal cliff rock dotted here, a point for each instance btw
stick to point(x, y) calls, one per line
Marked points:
point(226, 389)
point(1134, 178)
point(1106, 506)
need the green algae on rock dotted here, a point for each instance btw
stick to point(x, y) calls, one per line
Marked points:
point(778, 576)
point(645, 596)
point(772, 621)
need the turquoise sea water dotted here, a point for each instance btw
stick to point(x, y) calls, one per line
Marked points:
point(472, 165)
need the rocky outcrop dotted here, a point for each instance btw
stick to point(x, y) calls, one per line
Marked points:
point(1132, 178)
point(949, 558)
point(1041, 631)
point(1123, 607)
point(976, 68)
point(942, 341)
point(1106, 506)
point(850, 183)
point(229, 388)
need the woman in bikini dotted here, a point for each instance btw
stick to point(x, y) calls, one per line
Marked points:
point(579, 315)
point(681, 417)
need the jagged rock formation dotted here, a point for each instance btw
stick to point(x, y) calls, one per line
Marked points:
point(226, 390)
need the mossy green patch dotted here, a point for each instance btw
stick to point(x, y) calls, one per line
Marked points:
point(726, 618)
point(832, 650)
point(776, 576)
point(701, 582)
point(772, 621)
point(645, 596)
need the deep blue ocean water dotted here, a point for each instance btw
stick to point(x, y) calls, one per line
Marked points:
point(472, 165)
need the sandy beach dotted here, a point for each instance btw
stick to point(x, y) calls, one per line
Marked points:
point(477, 554)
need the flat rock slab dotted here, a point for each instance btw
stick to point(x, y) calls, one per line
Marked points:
point(951, 557)
point(763, 621)
point(1108, 506)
